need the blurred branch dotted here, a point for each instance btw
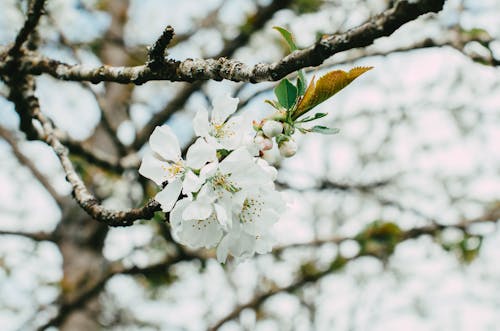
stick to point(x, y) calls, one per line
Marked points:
point(329, 185)
point(378, 240)
point(12, 141)
point(114, 269)
point(221, 68)
point(93, 156)
point(36, 236)
point(105, 120)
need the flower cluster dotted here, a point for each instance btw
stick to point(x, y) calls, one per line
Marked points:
point(222, 195)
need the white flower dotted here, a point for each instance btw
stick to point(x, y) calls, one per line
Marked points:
point(220, 131)
point(251, 230)
point(272, 128)
point(237, 172)
point(195, 233)
point(166, 167)
point(261, 208)
point(242, 245)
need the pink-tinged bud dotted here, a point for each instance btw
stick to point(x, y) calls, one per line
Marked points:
point(257, 126)
point(288, 148)
point(272, 128)
point(263, 143)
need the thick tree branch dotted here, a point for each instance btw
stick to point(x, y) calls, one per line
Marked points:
point(221, 68)
point(263, 15)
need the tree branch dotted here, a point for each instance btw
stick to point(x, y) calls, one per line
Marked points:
point(81, 194)
point(263, 15)
point(35, 11)
point(221, 68)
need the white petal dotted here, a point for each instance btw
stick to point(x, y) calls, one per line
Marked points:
point(175, 217)
point(201, 233)
point(208, 170)
point(223, 249)
point(199, 154)
point(224, 106)
point(233, 134)
point(238, 244)
point(222, 215)
point(164, 142)
point(200, 123)
point(270, 170)
point(191, 183)
point(264, 243)
point(214, 142)
point(153, 169)
point(238, 161)
point(197, 210)
point(169, 195)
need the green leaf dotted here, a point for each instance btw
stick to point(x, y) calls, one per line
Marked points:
point(312, 118)
point(286, 93)
point(301, 83)
point(302, 130)
point(324, 130)
point(325, 87)
point(287, 36)
point(273, 103)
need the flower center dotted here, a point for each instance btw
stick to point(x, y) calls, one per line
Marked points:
point(174, 169)
point(252, 208)
point(202, 224)
point(223, 130)
point(223, 182)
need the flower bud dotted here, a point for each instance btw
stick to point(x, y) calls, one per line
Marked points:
point(272, 156)
point(288, 148)
point(263, 143)
point(272, 128)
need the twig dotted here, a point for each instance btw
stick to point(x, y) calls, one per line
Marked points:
point(156, 54)
point(35, 11)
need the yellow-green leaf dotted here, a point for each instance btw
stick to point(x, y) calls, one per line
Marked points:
point(287, 36)
point(325, 87)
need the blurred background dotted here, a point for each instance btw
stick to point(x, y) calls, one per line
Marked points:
point(376, 235)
